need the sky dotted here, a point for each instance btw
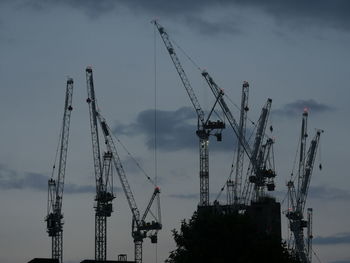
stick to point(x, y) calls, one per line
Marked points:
point(294, 52)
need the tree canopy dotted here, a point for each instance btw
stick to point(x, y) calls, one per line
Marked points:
point(210, 236)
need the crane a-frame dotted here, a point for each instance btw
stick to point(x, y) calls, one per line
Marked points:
point(140, 228)
point(297, 197)
point(54, 218)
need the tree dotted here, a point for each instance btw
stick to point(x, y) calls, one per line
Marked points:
point(210, 236)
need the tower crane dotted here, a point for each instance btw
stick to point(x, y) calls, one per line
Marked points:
point(140, 228)
point(252, 154)
point(259, 176)
point(297, 197)
point(103, 177)
point(205, 127)
point(234, 187)
point(54, 218)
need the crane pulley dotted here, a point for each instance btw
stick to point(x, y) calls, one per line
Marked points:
point(54, 218)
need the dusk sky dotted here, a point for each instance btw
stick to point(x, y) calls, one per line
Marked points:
point(295, 52)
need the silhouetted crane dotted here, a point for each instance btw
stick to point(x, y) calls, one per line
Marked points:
point(54, 218)
point(103, 177)
point(297, 197)
point(140, 228)
point(204, 127)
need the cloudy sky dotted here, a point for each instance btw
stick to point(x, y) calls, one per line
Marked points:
point(295, 52)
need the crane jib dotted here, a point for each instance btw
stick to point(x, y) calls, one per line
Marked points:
point(105, 128)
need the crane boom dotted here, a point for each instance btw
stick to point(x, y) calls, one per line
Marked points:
point(309, 164)
point(240, 150)
point(181, 72)
point(302, 153)
point(218, 93)
point(120, 169)
point(257, 173)
point(55, 187)
point(91, 100)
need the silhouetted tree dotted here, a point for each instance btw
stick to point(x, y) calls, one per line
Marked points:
point(215, 237)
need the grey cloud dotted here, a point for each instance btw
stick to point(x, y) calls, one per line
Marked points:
point(315, 12)
point(185, 196)
point(195, 196)
point(213, 28)
point(340, 238)
point(10, 179)
point(175, 130)
point(341, 261)
point(328, 193)
point(322, 193)
point(296, 108)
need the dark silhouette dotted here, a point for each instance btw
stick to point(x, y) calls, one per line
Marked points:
point(215, 236)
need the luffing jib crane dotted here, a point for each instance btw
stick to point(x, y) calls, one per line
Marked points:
point(253, 154)
point(103, 176)
point(140, 228)
point(297, 197)
point(261, 176)
point(234, 186)
point(54, 218)
point(205, 126)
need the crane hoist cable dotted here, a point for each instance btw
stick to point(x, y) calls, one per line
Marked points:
point(134, 159)
point(295, 161)
point(131, 155)
point(155, 130)
point(186, 55)
point(56, 154)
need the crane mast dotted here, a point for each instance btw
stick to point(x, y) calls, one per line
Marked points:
point(297, 197)
point(103, 176)
point(54, 218)
point(205, 126)
point(140, 228)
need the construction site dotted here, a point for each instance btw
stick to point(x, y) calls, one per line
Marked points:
point(248, 190)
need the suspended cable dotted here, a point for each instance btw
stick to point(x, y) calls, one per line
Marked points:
point(295, 160)
point(155, 109)
point(136, 162)
point(221, 190)
point(155, 134)
point(56, 154)
point(127, 151)
point(186, 55)
point(318, 259)
point(320, 155)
